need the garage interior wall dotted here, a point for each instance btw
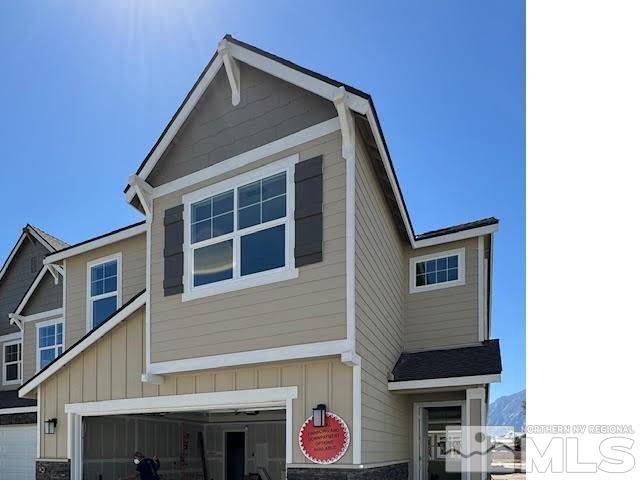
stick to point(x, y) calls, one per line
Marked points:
point(110, 442)
point(111, 369)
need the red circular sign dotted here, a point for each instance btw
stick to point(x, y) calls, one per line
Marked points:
point(324, 444)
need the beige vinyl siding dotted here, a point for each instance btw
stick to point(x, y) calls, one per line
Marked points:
point(381, 288)
point(111, 369)
point(269, 109)
point(310, 308)
point(447, 316)
point(133, 281)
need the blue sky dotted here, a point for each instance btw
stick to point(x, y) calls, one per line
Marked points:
point(87, 87)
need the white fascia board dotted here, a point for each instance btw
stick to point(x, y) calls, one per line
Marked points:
point(255, 398)
point(452, 237)
point(100, 242)
point(8, 411)
point(290, 141)
point(308, 350)
point(10, 336)
point(182, 115)
point(32, 289)
point(80, 347)
point(444, 382)
point(56, 312)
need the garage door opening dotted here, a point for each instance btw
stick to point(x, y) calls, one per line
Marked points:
point(230, 445)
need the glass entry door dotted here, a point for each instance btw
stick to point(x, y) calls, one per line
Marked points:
point(441, 443)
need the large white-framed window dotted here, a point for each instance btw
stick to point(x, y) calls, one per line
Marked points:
point(104, 288)
point(12, 362)
point(437, 270)
point(239, 233)
point(49, 341)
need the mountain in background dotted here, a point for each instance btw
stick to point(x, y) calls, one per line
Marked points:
point(508, 411)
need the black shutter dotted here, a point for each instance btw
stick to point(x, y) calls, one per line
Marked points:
point(308, 214)
point(173, 253)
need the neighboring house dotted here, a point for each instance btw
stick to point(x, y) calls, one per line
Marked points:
point(25, 288)
point(276, 272)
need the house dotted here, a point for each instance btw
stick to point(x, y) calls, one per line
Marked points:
point(23, 278)
point(274, 313)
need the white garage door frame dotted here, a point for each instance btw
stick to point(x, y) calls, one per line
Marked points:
point(258, 399)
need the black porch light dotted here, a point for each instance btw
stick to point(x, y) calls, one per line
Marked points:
point(50, 425)
point(319, 415)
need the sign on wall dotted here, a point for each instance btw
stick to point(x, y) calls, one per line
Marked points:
point(324, 444)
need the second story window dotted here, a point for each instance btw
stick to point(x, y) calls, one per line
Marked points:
point(438, 270)
point(50, 343)
point(104, 280)
point(12, 358)
point(239, 233)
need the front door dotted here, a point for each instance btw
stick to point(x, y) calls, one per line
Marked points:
point(440, 443)
point(234, 455)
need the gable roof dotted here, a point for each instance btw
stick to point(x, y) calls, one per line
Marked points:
point(48, 241)
point(358, 101)
point(91, 337)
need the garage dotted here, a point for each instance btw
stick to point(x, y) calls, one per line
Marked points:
point(18, 452)
point(192, 445)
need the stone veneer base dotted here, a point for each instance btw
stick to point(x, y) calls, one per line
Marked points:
point(48, 470)
point(398, 471)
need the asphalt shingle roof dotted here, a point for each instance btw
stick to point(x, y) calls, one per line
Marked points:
point(458, 228)
point(55, 242)
point(483, 359)
point(10, 399)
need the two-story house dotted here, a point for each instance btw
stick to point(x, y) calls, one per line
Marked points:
point(274, 313)
point(23, 278)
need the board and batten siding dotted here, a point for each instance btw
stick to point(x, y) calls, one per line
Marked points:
point(133, 281)
point(380, 292)
point(111, 369)
point(308, 309)
point(448, 316)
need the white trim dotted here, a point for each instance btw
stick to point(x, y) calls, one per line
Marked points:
point(413, 288)
point(8, 411)
point(356, 436)
point(10, 336)
point(417, 430)
point(46, 323)
point(452, 237)
point(444, 382)
point(277, 146)
point(233, 399)
point(56, 312)
point(122, 234)
point(19, 362)
point(287, 272)
point(38, 424)
point(307, 350)
point(481, 290)
point(289, 430)
point(80, 347)
point(147, 308)
point(118, 293)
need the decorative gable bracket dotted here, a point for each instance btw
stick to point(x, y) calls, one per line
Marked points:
point(347, 124)
point(55, 270)
point(233, 71)
point(144, 191)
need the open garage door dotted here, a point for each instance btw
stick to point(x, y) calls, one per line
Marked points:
point(190, 445)
point(18, 452)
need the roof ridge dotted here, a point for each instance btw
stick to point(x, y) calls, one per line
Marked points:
point(52, 240)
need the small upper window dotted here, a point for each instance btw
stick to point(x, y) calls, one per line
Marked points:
point(239, 232)
point(104, 290)
point(12, 356)
point(50, 343)
point(444, 269)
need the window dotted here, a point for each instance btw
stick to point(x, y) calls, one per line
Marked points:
point(440, 270)
point(50, 342)
point(103, 287)
point(238, 232)
point(12, 354)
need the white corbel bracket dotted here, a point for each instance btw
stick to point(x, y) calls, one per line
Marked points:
point(17, 320)
point(56, 271)
point(144, 191)
point(233, 71)
point(153, 379)
point(347, 126)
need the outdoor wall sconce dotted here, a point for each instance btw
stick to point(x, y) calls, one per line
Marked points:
point(50, 425)
point(319, 415)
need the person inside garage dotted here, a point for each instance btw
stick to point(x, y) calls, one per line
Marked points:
point(146, 468)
